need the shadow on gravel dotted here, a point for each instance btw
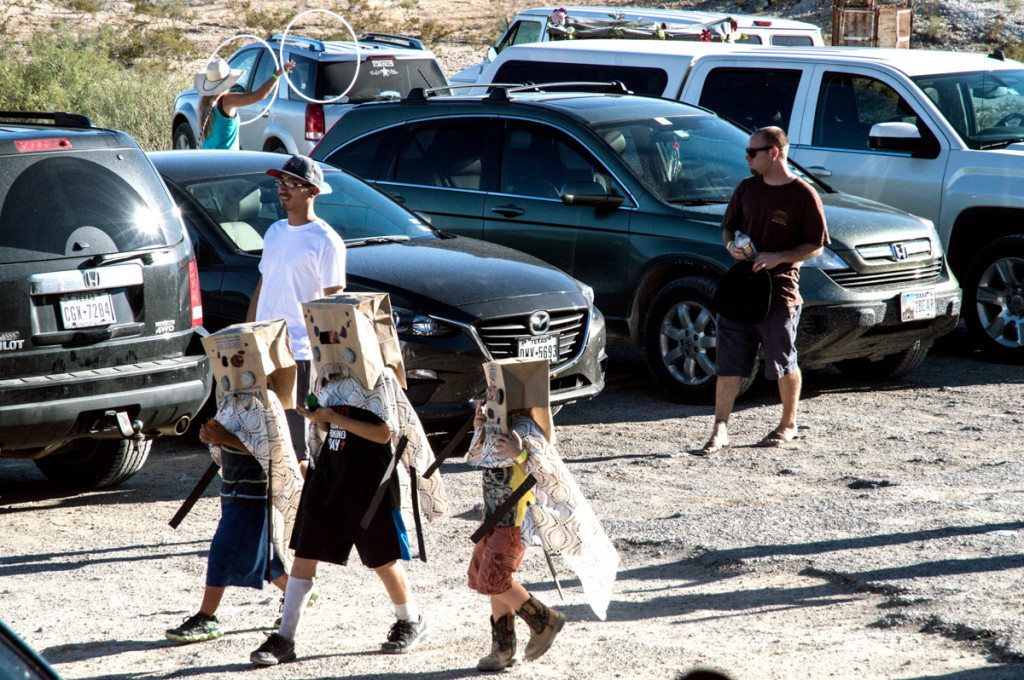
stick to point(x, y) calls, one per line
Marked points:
point(41, 563)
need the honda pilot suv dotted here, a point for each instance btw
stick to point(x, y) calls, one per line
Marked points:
point(99, 302)
point(339, 73)
point(627, 194)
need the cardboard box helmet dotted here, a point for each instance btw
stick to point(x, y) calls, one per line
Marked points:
point(252, 359)
point(357, 331)
point(517, 384)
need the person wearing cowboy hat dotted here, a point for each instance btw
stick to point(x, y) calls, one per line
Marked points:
point(218, 106)
point(303, 259)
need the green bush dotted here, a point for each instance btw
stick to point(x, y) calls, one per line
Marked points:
point(62, 71)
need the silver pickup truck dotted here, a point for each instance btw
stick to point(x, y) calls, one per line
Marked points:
point(938, 134)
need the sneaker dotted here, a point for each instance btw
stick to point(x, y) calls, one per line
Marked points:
point(405, 635)
point(312, 598)
point(196, 628)
point(277, 649)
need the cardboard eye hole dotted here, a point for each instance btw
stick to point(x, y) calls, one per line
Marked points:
point(349, 356)
point(237, 361)
point(316, 354)
point(324, 337)
point(490, 414)
point(500, 397)
point(248, 379)
point(224, 362)
point(225, 383)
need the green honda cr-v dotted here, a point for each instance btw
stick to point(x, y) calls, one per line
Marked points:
point(627, 194)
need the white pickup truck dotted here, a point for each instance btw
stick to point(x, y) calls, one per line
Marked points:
point(937, 134)
point(543, 24)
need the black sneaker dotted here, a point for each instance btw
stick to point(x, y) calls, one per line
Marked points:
point(405, 635)
point(277, 649)
point(196, 628)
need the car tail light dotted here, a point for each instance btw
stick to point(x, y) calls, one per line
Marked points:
point(194, 295)
point(314, 122)
point(26, 145)
point(762, 22)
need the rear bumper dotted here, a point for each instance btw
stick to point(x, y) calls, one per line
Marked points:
point(830, 333)
point(39, 411)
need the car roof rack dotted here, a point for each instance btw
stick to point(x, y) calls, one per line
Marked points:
point(394, 40)
point(59, 118)
point(312, 43)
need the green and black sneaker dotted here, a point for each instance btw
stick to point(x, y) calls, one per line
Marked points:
point(196, 628)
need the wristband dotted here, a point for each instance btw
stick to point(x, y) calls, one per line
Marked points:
point(521, 458)
point(276, 77)
point(729, 246)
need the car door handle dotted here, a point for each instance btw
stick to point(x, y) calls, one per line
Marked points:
point(397, 196)
point(819, 171)
point(511, 210)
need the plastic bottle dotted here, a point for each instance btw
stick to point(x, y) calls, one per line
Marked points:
point(743, 242)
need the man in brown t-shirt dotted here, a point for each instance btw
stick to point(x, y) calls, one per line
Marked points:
point(784, 219)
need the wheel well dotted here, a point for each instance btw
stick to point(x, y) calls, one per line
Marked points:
point(652, 281)
point(273, 143)
point(974, 229)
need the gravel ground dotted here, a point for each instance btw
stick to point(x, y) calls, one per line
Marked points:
point(886, 542)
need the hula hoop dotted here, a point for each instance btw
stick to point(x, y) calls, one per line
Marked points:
point(355, 41)
point(277, 64)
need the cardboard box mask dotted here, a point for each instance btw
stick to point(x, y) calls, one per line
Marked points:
point(342, 331)
point(514, 384)
point(252, 358)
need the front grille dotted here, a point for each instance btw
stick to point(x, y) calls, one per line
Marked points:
point(500, 335)
point(849, 278)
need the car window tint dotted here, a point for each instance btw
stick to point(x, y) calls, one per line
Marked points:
point(985, 107)
point(748, 39)
point(58, 205)
point(367, 156)
point(751, 98)
point(644, 80)
point(244, 61)
point(448, 154)
point(848, 105)
point(380, 77)
point(303, 77)
point(265, 68)
point(537, 161)
point(792, 40)
point(519, 33)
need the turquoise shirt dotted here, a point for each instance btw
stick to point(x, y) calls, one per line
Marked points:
point(223, 131)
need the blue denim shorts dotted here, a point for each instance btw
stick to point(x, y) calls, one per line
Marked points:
point(738, 343)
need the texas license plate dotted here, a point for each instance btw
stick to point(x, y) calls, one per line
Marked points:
point(539, 347)
point(87, 310)
point(917, 305)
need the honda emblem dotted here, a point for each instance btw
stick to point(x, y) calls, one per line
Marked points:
point(92, 278)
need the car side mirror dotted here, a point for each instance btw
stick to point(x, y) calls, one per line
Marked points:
point(901, 137)
point(589, 193)
point(491, 54)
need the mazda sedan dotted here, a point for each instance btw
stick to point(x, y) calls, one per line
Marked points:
point(458, 301)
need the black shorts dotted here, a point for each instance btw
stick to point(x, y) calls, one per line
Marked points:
point(738, 343)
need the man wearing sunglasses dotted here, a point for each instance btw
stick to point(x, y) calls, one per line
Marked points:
point(303, 259)
point(785, 221)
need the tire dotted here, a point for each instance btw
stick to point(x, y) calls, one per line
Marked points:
point(275, 146)
point(889, 367)
point(994, 299)
point(182, 138)
point(95, 463)
point(680, 341)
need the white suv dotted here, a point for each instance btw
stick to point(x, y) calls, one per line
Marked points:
point(536, 26)
point(389, 66)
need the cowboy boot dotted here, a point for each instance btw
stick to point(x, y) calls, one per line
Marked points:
point(503, 645)
point(544, 624)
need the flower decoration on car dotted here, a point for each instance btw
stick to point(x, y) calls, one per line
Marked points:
point(705, 35)
point(558, 17)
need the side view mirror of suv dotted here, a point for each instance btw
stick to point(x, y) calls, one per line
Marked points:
point(589, 193)
point(901, 137)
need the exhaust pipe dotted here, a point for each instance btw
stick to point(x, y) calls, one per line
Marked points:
point(182, 425)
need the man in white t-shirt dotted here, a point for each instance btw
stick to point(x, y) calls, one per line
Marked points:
point(303, 259)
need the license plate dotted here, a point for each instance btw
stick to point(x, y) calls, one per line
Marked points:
point(87, 310)
point(539, 347)
point(919, 305)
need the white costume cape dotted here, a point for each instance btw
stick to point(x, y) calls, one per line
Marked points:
point(387, 400)
point(265, 434)
point(561, 520)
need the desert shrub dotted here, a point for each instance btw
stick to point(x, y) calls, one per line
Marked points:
point(86, 6)
point(65, 71)
point(1014, 50)
point(266, 20)
point(167, 9)
point(159, 47)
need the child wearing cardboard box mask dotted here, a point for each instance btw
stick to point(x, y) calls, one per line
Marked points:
point(255, 381)
point(365, 427)
point(514, 444)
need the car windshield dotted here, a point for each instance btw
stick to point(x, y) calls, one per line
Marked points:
point(689, 160)
point(986, 108)
point(245, 205)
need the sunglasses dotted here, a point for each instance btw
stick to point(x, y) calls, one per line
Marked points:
point(291, 185)
point(753, 151)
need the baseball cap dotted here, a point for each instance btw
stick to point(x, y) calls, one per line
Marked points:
point(306, 169)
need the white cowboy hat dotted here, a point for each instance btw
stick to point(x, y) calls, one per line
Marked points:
point(219, 77)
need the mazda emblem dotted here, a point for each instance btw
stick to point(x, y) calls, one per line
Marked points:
point(540, 322)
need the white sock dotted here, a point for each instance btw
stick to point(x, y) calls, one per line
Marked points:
point(407, 611)
point(296, 595)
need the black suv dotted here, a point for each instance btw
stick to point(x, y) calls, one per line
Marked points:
point(99, 302)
